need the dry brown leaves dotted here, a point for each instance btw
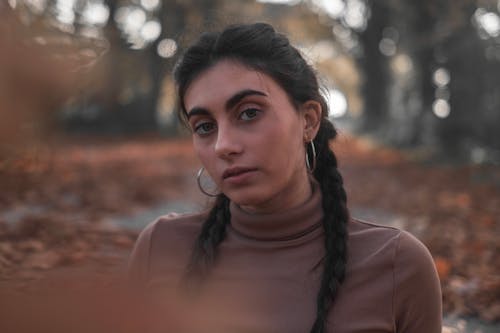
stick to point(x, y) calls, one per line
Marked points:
point(54, 196)
point(56, 199)
point(454, 210)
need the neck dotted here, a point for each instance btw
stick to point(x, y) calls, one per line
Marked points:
point(292, 196)
point(282, 224)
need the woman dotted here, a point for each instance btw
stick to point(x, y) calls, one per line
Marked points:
point(278, 252)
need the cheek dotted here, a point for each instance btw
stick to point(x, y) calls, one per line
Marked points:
point(295, 153)
point(205, 155)
point(284, 151)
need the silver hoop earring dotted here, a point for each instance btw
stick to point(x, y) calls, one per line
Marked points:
point(198, 180)
point(310, 167)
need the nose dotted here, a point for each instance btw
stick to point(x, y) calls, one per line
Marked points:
point(228, 144)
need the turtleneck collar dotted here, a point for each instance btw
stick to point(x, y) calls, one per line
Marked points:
point(285, 225)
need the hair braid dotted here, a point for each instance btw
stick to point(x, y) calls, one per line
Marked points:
point(260, 47)
point(212, 234)
point(334, 202)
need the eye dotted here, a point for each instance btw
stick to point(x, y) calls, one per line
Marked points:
point(204, 128)
point(249, 114)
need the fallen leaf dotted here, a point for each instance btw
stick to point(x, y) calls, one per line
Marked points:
point(42, 260)
point(443, 267)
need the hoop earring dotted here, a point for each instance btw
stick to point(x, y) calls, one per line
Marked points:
point(198, 180)
point(310, 167)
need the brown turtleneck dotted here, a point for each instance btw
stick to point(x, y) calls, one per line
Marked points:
point(265, 279)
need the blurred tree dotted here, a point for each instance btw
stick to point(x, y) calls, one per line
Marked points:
point(430, 71)
point(429, 68)
point(129, 87)
point(125, 96)
point(472, 56)
point(374, 66)
point(35, 82)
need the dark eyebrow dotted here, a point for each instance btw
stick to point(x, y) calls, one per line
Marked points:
point(229, 104)
point(197, 111)
point(240, 95)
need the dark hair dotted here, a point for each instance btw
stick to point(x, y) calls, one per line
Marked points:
point(260, 47)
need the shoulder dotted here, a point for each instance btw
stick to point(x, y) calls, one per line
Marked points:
point(417, 295)
point(359, 227)
point(370, 240)
point(399, 246)
point(169, 225)
point(408, 252)
point(416, 291)
point(171, 233)
point(382, 233)
point(407, 268)
point(176, 223)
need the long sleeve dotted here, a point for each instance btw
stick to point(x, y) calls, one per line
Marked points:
point(417, 293)
point(138, 265)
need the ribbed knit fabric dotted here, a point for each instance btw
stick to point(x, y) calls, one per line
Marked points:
point(265, 279)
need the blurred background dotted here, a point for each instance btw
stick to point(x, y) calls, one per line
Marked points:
point(91, 149)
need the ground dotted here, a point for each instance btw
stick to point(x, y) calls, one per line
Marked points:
point(57, 201)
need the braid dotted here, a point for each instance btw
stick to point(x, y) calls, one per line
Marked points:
point(212, 234)
point(262, 48)
point(334, 202)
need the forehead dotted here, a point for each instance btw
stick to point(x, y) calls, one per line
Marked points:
point(220, 82)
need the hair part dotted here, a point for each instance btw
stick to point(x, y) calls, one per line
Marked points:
point(260, 47)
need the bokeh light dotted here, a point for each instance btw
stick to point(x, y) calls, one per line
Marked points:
point(134, 20)
point(356, 15)
point(441, 77)
point(151, 30)
point(337, 103)
point(441, 108)
point(402, 64)
point(139, 26)
point(387, 47)
point(166, 48)
point(488, 22)
point(65, 11)
point(95, 13)
point(333, 8)
point(150, 4)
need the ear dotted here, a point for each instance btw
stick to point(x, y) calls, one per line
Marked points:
point(311, 113)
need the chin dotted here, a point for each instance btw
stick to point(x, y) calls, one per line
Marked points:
point(247, 198)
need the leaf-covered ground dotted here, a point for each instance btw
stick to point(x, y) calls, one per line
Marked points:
point(56, 200)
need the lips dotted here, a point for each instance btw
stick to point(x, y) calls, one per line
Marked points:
point(236, 171)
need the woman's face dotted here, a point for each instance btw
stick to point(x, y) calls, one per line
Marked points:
point(249, 137)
